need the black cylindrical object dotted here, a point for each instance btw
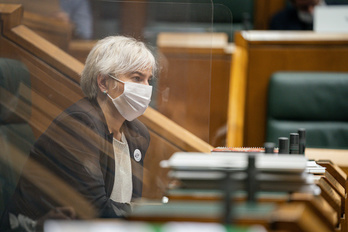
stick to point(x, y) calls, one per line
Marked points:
point(251, 181)
point(269, 147)
point(283, 145)
point(294, 143)
point(302, 140)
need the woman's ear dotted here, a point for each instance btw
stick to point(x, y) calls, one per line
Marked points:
point(102, 83)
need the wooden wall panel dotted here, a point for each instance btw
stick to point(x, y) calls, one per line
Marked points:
point(193, 85)
point(264, 10)
point(219, 90)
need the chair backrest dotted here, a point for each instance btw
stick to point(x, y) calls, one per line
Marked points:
point(316, 101)
point(16, 136)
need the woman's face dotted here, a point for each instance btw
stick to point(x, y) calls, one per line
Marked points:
point(140, 77)
point(306, 5)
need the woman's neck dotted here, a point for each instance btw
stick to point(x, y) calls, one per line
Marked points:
point(114, 119)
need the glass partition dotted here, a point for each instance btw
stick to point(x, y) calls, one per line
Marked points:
point(92, 143)
point(190, 41)
point(186, 36)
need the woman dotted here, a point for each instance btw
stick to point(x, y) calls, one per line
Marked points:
point(96, 146)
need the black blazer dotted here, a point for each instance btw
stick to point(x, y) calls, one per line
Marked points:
point(77, 149)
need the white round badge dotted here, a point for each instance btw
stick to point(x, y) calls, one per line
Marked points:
point(137, 155)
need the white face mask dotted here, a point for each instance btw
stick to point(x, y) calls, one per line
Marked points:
point(133, 101)
point(305, 17)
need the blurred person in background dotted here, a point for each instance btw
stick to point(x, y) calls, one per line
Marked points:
point(297, 16)
point(79, 13)
point(76, 12)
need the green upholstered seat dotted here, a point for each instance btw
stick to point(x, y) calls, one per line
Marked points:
point(16, 136)
point(316, 101)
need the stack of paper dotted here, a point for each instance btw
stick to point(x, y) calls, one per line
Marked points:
point(313, 167)
point(287, 173)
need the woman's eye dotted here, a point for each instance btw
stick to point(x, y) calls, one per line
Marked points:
point(137, 78)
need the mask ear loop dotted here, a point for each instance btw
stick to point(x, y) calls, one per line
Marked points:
point(116, 85)
point(115, 78)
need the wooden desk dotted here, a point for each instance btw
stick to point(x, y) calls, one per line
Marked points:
point(317, 204)
point(320, 207)
point(258, 54)
point(336, 156)
point(334, 183)
point(289, 216)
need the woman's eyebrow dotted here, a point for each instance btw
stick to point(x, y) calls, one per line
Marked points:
point(140, 74)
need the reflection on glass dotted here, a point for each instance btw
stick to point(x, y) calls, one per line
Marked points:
point(188, 40)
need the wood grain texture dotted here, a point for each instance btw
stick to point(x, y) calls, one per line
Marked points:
point(268, 52)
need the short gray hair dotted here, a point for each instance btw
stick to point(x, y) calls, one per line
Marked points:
point(117, 55)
